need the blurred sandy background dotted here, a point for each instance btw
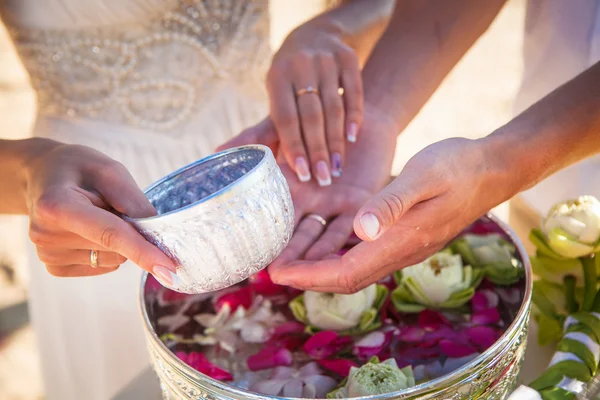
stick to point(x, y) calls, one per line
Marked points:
point(474, 100)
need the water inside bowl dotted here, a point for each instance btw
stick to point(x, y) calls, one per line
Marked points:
point(200, 180)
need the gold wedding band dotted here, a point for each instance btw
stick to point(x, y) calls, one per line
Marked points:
point(317, 218)
point(306, 90)
point(94, 259)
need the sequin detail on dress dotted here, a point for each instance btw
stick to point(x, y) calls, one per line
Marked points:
point(150, 75)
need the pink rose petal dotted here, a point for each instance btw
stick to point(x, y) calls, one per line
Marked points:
point(484, 299)
point(372, 344)
point(412, 334)
point(339, 366)
point(287, 328)
point(325, 344)
point(262, 284)
point(238, 298)
point(482, 336)
point(455, 349)
point(200, 363)
point(431, 320)
point(269, 357)
point(485, 317)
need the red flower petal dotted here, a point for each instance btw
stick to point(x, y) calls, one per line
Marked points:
point(339, 366)
point(200, 363)
point(152, 285)
point(412, 334)
point(484, 299)
point(372, 344)
point(454, 349)
point(288, 328)
point(324, 344)
point(269, 357)
point(482, 336)
point(485, 317)
point(169, 296)
point(431, 320)
point(238, 298)
point(262, 284)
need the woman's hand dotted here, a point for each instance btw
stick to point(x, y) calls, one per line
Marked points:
point(441, 190)
point(309, 119)
point(72, 194)
point(337, 205)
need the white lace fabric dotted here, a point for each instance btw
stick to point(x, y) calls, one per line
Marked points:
point(152, 73)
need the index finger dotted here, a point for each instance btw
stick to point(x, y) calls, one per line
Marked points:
point(111, 232)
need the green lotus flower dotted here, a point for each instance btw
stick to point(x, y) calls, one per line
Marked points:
point(493, 254)
point(347, 313)
point(441, 281)
point(572, 228)
point(374, 378)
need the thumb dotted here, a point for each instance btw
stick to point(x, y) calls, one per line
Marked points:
point(262, 133)
point(386, 208)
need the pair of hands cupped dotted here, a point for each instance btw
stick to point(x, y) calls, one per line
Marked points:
point(73, 193)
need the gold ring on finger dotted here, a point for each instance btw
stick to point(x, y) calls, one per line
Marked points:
point(317, 218)
point(307, 90)
point(94, 258)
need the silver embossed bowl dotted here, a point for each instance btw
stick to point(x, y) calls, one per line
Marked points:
point(491, 375)
point(222, 218)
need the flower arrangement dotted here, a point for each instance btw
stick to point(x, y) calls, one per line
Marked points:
point(423, 322)
point(566, 298)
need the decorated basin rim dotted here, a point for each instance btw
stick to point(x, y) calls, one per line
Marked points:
point(478, 377)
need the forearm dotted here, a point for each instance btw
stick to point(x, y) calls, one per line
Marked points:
point(14, 158)
point(359, 23)
point(559, 130)
point(423, 41)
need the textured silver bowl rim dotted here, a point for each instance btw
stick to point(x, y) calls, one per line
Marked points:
point(422, 389)
point(231, 190)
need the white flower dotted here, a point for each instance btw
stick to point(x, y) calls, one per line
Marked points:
point(572, 228)
point(441, 281)
point(376, 378)
point(338, 312)
point(255, 325)
point(308, 382)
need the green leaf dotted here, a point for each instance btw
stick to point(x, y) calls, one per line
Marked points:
point(538, 239)
point(381, 295)
point(298, 309)
point(542, 302)
point(589, 321)
point(549, 330)
point(461, 246)
point(554, 374)
point(580, 350)
point(557, 394)
point(554, 270)
point(566, 246)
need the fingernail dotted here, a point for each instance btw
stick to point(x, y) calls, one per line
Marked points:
point(336, 165)
point(323, 175)
point(166, 276)
point(302, 169)
point(370, 225)
point(352, 132)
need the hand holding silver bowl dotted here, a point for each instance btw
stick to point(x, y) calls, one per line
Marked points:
point(222, 219)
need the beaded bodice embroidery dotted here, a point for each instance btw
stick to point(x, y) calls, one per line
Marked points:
point(152, 74)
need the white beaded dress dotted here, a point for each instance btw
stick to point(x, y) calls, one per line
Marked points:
point(155, 84)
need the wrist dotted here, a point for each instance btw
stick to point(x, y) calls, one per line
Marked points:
point(513, 169)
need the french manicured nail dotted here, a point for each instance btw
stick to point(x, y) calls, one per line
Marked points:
point(336, 165)
point(323, 175)
point(370, 225)
point(352, 131)
point(166, 276)
point(302, 169)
